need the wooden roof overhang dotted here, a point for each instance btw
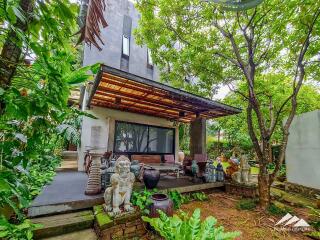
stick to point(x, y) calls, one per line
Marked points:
point(124, 91)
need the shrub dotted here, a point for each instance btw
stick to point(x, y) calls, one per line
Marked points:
point(189, 228)
point(177, 199)
point(142, 199)
point(246, 204)
point(315, 218)
point(17, 231)
point(313, 235)
point(199, 196)
point(278, 210)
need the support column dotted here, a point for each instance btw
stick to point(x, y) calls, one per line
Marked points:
point(198, 136)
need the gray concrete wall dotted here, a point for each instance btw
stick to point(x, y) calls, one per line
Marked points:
point(111, 54)
point(99, 133)
point(303, 150)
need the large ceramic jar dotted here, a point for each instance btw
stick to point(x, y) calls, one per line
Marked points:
point(160, 201)
point(151, 177)
point(135, 168)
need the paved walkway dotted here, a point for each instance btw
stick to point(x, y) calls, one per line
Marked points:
point(65, 187)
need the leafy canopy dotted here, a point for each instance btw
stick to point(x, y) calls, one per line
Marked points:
point(187, 40)
point(278, 88)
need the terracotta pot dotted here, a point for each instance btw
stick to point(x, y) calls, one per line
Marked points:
point(160, 201)
point(151, 177)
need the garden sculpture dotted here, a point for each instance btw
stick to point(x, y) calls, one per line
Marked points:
point(210, 173)
point(195, 171)
point(220, 172)
point(244, 174)
point(232, 168)
point(119, 193)
point(94, 179)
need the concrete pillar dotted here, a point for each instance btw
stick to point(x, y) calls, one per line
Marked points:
point(198, 136)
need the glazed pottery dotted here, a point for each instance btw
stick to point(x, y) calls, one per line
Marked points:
point(151, 177)
point(135, 168)
point(160, 201)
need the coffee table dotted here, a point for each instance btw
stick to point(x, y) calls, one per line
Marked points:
point(165, 167)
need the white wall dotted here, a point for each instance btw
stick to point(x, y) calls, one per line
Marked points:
point(106, 123)
point(303, 150)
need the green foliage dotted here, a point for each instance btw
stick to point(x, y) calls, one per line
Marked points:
point(184, 138)
point(264, 54)
point(315, 218)
point(278, 210)
point(277, 87)
point(20, 231)
point(246, 204)
point(189, 228)
point(142, 199)
point(37, 118)
point(313, 235)
point(199, 196)
point(178, 199)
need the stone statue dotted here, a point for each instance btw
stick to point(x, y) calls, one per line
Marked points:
point(119, 193)
point(244, 173)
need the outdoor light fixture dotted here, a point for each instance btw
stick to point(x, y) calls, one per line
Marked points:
point(182, 114)
point(237, 5)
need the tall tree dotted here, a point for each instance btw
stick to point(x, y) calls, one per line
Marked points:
point(12, 47)
point(273, 86)
point(201, 39)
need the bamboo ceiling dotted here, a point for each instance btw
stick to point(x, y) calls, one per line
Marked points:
point(123, 91)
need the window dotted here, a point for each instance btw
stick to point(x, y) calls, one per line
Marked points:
point(125, 45)
point(149, 58)
point(140, 138)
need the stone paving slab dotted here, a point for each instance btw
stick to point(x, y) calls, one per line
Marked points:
point(87, 234)
point(63, 223)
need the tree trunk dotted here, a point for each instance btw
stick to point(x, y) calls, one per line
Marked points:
point(12, 48)
point(264, 178)
point(219, 134)
point(264, 189)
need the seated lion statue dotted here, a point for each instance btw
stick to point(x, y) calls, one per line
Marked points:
point(121, 187)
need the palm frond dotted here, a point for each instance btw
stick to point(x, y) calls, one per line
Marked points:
point(91, 16)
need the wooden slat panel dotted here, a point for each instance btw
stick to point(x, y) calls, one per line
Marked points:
point(163, 98)
point(142, 99)
point(129, 104)
point(122, 107)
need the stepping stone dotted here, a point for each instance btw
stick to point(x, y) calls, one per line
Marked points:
point(63, 223)
point(87, 234)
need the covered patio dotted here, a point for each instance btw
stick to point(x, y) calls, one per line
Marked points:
point(122, 91)
point(120, 99)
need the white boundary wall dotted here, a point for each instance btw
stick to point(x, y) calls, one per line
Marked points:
point(303, 150)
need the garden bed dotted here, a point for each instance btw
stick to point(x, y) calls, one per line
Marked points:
point(253, 224)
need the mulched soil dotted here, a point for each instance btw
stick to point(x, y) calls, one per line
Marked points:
point(253, 224)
